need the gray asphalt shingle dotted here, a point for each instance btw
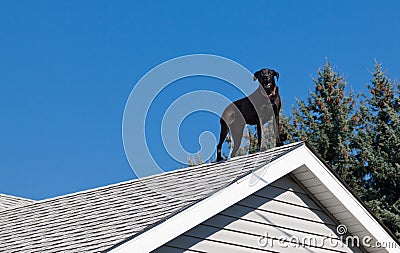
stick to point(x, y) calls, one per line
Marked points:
point(8, 202)
point(97, 219)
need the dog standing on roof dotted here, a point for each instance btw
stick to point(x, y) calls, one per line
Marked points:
point(253, 110)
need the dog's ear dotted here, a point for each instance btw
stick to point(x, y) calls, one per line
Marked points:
point(255, 77)
point(276, 74)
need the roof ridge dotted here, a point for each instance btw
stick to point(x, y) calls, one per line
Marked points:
point(35, 202)
point(286, 149)
point(129, 204)
point(10, 202)
point(15, 197)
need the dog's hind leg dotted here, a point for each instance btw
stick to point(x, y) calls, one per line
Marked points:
point(237, 134)
point(222, 136)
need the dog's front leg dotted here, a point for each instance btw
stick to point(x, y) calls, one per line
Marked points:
point(278, 141)
point(259, 135)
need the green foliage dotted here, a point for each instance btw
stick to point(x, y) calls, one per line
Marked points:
point(361, 144)
point(193, 160)
point(250, 139)
point(359, 136)
point(377, 146)
point(325, 121)
point(249, 142)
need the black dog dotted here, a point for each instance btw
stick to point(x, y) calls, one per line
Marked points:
point(252, 110)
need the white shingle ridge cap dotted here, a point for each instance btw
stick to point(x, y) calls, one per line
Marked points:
point(291, 145)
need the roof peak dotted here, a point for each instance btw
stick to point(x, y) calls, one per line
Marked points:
point(10, 202)
point(178, 170)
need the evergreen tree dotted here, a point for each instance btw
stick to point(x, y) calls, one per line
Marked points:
point(249, 144)
point(192, 161)
point(377, 146)
point(326, 122)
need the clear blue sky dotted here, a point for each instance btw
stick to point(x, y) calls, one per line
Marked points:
point(67, 68)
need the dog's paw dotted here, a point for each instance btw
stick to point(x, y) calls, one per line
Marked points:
point(220, 159)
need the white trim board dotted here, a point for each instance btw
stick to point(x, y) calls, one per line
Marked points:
point(242, 188)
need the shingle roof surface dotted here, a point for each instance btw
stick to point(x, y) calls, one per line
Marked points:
point(8, 202)
point(97, 219)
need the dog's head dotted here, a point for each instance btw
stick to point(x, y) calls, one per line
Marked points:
point(266, 77)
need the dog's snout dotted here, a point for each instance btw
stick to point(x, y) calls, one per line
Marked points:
point(266, 75)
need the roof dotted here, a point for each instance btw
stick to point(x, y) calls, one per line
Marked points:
point(98, 219)
point(8, 202)
point(308, 170)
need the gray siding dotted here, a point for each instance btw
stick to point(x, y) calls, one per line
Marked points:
point(280, 210)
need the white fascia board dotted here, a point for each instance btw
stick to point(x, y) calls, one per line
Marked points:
point(207, 208)
point(345, 197)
